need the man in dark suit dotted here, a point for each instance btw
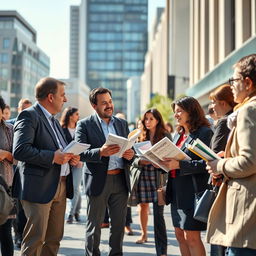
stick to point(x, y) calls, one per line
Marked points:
point(107, 179)
point(43, 177)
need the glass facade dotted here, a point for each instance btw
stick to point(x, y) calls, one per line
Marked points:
point(116, 44)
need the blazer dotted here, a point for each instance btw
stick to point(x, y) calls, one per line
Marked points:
point(67, 135)
point(36, 177)
point(180, 190)
point(232, 217)
point(89, 131)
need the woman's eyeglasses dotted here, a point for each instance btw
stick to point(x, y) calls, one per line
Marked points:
point(232, 80)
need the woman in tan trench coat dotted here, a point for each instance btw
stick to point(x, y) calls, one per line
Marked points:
point(232, 220)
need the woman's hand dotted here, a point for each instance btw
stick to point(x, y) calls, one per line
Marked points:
point(5, 155)
point(211, 167)
point(171, 163)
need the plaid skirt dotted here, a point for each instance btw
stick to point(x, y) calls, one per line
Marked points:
point(147, 185)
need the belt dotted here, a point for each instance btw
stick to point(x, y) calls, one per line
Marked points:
point(63, 178)
point(114, 172)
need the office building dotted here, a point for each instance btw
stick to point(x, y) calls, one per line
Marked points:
point(112, 44)
point(22, 63)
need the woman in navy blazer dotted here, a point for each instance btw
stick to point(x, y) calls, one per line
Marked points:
point(187, 176)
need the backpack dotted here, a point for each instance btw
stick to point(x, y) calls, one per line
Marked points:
point(6, 201)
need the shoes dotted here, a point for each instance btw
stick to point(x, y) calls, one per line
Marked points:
point(141, 240)
point(128, 231)
point(104, 225)
point(77, 217)
point(70, 219)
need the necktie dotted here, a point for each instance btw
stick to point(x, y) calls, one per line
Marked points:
point(59, 135)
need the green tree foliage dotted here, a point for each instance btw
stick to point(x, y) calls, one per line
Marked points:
point(163, 105)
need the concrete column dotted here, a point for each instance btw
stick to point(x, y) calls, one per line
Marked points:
point(253, 17)
point(204, 37)
point(213, 33)
point(243, 21)
point(191, 45)
point(196, 40)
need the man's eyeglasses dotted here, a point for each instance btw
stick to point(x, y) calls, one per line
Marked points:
point(232, 80)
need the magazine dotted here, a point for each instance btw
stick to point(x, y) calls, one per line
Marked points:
point(162, 149)
point(202, 150)
point(76, 147)
point(123, 143)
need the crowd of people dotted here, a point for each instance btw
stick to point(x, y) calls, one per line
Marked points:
point(42, 176)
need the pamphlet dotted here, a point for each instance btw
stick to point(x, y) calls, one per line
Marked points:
point(76, 147)
point(202, 150)
point(162, 149)
point(123, 143)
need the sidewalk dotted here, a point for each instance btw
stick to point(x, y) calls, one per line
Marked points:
point(72, 243)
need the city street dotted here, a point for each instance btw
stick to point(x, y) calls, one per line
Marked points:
point(73, 241)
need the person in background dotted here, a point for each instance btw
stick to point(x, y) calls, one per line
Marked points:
point(150, 179)
point(232, 218)
point(68, 122)
point(107, 179)
point(223, 104)
point(169, 128)
point(211, 116)
point(6, 171)
point(23, 104)
point(186, 177)
point(7, 112)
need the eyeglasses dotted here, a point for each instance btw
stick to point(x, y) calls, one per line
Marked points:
point(232, 80)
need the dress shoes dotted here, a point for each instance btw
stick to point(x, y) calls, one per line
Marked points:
point(77, 217)
point(70, 219)
point(128, 231)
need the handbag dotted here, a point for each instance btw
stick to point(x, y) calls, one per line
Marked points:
point(6, 201)
point(203, 202)
point(161, 192)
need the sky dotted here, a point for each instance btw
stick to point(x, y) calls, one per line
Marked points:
point(50, 18)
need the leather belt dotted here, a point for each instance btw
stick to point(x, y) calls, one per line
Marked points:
point(63, 178)
point(114, 172)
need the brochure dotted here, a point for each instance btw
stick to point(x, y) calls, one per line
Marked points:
point(202, 150)
point(124, 143)
point(162, 149)
point(76, 147)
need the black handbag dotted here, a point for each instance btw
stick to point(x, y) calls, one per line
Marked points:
point(203, 202)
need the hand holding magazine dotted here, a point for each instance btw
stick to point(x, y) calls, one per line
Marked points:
point(123, 143)
point(76, 147)
point(162, 149)
point(202, 150)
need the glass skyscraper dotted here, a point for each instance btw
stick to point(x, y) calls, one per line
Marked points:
point(112, 45)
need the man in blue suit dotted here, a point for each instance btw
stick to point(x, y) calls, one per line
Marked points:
point(107, 179)
point(43, 177)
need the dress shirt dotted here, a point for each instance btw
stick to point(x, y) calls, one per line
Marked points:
point(65, 170)
point(114, 161)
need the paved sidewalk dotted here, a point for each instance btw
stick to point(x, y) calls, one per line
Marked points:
point(73, 240)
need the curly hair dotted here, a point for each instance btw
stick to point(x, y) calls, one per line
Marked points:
point(160, 127)
point(195, 112)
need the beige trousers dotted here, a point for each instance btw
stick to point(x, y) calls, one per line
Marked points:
point(45, 225)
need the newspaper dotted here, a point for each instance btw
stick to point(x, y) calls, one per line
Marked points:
point(123, 143)
point(162, 149)
point(76, 147)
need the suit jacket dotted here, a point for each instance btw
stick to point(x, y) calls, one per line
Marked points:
point(232, 217)
point(180, 190)
point(67, 135)
point(89, 131)
point(36, 177)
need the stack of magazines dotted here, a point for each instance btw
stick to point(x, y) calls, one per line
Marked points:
point(202, 150)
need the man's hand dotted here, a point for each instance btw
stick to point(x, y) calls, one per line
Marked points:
point(171, 163)
point(211, 167)
point(3, 154)
point(74, 160)
point(109, 150)
point(128, 154)
point(61, 158)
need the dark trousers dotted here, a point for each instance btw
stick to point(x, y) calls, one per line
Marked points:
point(6, 238)
point(20, 221)
point(114, 196)
point(218, 250)
point(128, 219)
point(233, 251)
point(159, 229)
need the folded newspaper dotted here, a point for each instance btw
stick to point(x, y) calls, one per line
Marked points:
point(123, 143)
point(202, 150)
point(162, 149)
point(76, 147)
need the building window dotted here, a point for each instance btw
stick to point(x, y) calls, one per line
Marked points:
point(4, 58)
point(6, 43)
point(3, 73)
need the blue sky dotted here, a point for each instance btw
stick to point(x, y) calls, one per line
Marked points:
point(50, 18)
